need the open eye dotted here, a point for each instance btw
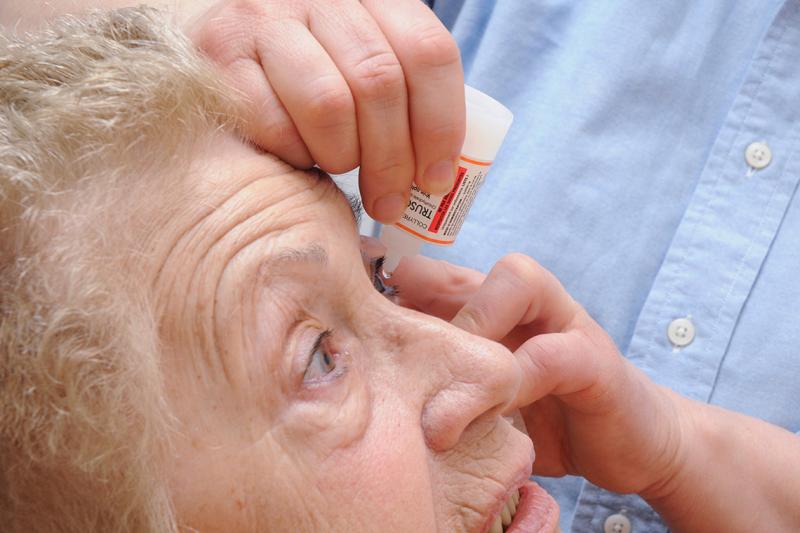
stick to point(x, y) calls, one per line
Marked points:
point(378, 281)
point(320, 361)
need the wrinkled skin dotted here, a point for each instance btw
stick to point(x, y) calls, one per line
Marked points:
point(401, 431)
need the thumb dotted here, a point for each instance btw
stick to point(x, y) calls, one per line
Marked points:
point(558, 364)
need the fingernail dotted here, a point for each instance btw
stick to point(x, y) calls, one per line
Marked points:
point(388, 208)
point(439, 177)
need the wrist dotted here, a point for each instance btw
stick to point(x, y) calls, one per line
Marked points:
point(734, 472)
point(687, 426)
point(683, 497)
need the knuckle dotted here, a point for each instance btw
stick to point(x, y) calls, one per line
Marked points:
point(473, 317)
point(433, 46)
point(450, 283)
point(221, 40)
point(344, 161)
point(457, 277)
point(330, 106)
point(379, 75)
point(230, 31)
point(391, 169)
point(539, 356)
point(438, 134)
point(465, 319)
point(282, 136)
point(519, 266)
point(532, 359)
point(268, 124)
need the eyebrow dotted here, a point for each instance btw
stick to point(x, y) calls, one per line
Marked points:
point(313, 253)
point(280, 264)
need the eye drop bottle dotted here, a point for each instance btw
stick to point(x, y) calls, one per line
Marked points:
point(438, 219)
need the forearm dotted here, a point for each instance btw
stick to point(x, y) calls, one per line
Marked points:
point(737, 473)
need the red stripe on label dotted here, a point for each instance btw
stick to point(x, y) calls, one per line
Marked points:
point(446, 202)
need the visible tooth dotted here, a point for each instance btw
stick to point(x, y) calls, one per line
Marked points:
point(505, 515)
point(497, 526)
point(515, 495)
point(511, 505)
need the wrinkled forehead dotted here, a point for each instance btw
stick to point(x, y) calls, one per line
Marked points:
point(232, 195)
point(271, 184)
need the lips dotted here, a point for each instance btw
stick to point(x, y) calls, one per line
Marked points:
point(535, 511)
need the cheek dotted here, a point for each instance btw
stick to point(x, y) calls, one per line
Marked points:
point(332, 417)
point(389, 471)
point(238, 488)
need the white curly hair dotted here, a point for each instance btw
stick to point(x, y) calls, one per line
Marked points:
point(90, 109)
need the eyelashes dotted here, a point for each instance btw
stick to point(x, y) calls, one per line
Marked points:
point(376, 268)
point(321, 362)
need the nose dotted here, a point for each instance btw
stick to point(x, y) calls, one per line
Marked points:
point(468, 378)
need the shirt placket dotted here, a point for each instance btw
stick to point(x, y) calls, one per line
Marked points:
point(689, 317)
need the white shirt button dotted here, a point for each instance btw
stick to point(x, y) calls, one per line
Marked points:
point(617, 523)
point(681, 332)
point(758, 155)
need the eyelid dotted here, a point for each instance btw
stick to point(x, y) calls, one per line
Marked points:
point(336, 355)
point(318, 344)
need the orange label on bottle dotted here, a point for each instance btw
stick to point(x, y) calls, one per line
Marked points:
point(438, 219)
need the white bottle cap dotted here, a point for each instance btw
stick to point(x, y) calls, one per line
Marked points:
point(487, 124)
point(398, 243)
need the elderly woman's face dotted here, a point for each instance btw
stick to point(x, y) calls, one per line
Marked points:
point(306, 400)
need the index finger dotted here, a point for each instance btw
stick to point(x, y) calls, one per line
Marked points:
point(434, 76)
point(433, 286)
point(517, 292)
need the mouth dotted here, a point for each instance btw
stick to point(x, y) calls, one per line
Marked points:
point(527, 509)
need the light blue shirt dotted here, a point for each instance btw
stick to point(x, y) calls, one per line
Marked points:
point(625, 174)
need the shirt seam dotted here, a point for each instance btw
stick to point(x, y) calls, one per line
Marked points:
point(705, 208)
point(794, 142)
point(741, 266)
